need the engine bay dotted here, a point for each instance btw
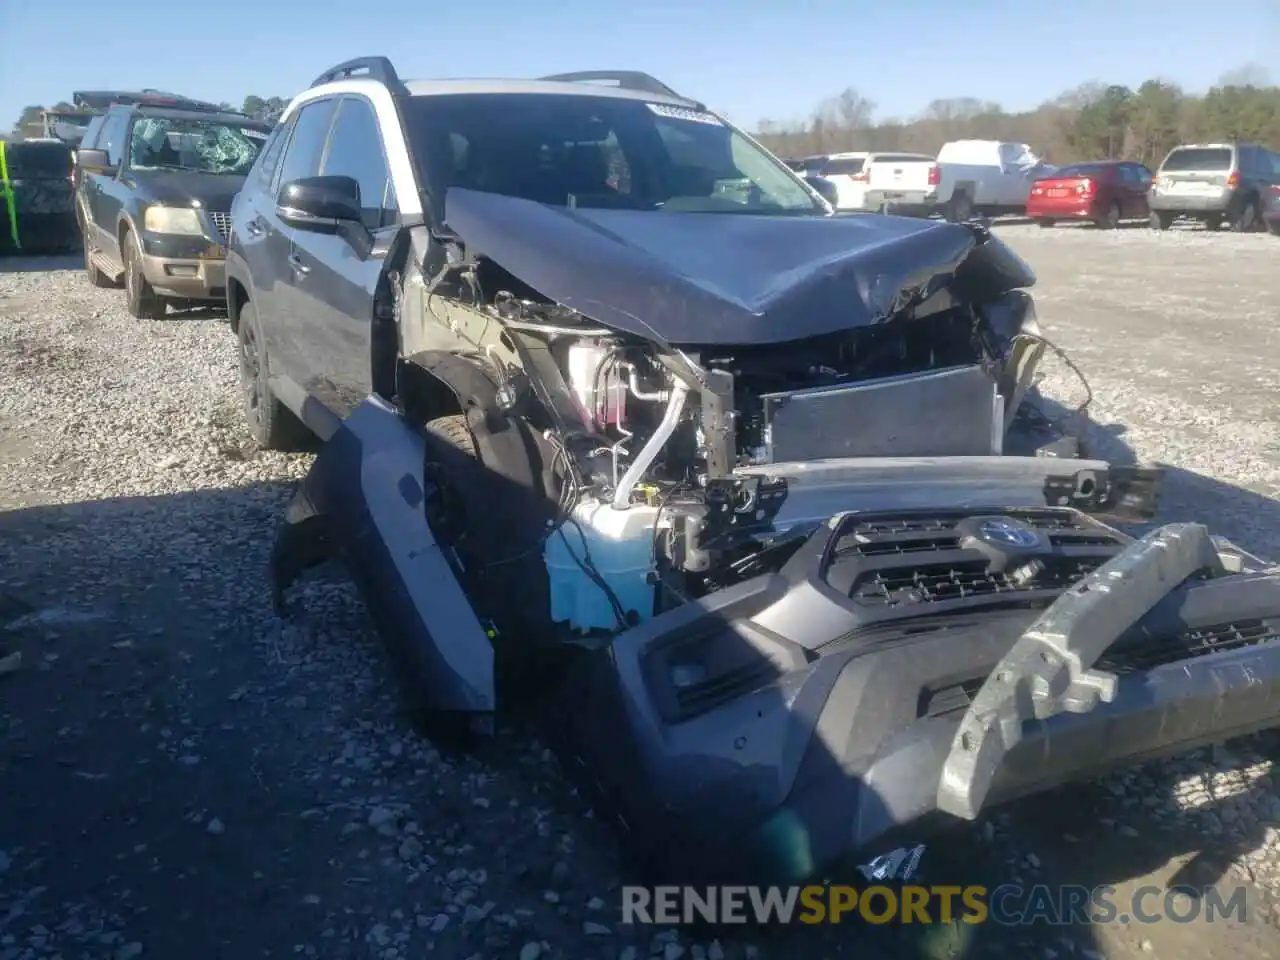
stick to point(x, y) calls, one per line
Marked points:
point(654, 448)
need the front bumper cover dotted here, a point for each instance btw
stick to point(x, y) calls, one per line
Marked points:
point(855, 740)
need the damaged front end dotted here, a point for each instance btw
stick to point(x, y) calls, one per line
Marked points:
point(795, 563)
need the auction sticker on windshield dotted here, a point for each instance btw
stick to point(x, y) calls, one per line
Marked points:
point(684, 113)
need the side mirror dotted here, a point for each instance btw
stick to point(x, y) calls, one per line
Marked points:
point(320, 204)
point(95, 161)
point(826, 189)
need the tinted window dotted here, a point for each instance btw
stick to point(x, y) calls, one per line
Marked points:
point(91, 132)
point(269, 159)
point(355, 150)
point(1198, 158)
point(113, 137)
point(1083, 170)
point(597, 152)
point(848, 166)
point(310, 130)
point(901, 158)
point(39, 161)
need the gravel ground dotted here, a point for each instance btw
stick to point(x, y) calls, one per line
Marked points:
point(185, 775)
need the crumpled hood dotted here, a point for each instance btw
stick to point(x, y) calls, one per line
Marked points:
point(715, 278)
point(215, 191)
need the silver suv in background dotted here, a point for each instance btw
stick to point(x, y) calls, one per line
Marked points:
point(1213, 183)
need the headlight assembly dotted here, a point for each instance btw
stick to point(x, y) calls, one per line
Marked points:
point(179, 220)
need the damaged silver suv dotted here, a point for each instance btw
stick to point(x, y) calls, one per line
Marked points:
point(752, 505)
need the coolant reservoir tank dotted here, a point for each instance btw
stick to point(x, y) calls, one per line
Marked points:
point(618, 546)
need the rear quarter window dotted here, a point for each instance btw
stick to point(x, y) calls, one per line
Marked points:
point(1214, 159)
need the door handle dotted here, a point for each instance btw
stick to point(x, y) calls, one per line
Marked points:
point(299, 267)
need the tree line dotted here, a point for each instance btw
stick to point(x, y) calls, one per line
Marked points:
point(1094, 121)
point(1091, 122)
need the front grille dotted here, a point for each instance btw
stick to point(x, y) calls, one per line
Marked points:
point(939, 583)
point(1125, 656)
point(222, 222)
point(915, 562)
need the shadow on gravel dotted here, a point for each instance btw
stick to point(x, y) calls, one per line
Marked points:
point(41, 264)
point(113, 658)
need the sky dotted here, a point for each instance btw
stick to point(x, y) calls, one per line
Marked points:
point(748, 60)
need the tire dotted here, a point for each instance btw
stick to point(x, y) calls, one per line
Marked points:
point(1247, 219)
point(272, 425)
point(1274, 227)
point(143, 302)
point(95, 276)
point(1112, 218)
point(1160, 220)
point(1213, 223)
point(960, 208)
point(1045, 223)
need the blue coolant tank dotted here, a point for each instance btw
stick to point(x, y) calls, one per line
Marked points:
point(620, 546)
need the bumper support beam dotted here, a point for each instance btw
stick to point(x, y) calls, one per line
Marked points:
point(1049, 671)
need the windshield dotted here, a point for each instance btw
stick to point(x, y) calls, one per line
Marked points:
point(196, 144)
point(1199, 159)
point(597, 152)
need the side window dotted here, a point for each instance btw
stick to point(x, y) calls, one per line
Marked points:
point(113, 136)
point(1244, 159)
point(355, 150)
point(269, 159)
point(306, 145)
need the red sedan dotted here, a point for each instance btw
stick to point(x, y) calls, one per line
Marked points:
point(1105, 192)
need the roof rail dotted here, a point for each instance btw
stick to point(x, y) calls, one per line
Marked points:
point(102, 99)
point(375, 68)
point(625, 79)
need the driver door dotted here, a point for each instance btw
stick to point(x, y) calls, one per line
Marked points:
point(334, 282)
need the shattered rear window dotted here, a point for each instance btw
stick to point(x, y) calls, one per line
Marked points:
point(195, 144)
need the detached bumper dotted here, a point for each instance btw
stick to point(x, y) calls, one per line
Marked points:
point(188, 268)
point(849, 747)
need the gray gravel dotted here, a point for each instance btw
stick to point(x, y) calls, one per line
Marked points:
point(187, 776)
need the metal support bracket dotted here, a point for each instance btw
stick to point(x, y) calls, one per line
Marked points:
point(1049, 671)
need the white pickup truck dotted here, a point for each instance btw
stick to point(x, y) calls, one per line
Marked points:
point(987, 177)
point(902, 183)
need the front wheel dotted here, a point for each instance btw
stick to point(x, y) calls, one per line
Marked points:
point(143, 302)
point(1044, 222)
point(272, 425)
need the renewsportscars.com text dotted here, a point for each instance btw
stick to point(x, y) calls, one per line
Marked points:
point(1009, 905)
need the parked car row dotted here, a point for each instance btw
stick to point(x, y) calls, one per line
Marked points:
point(966, 178)
point(1237, 184)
